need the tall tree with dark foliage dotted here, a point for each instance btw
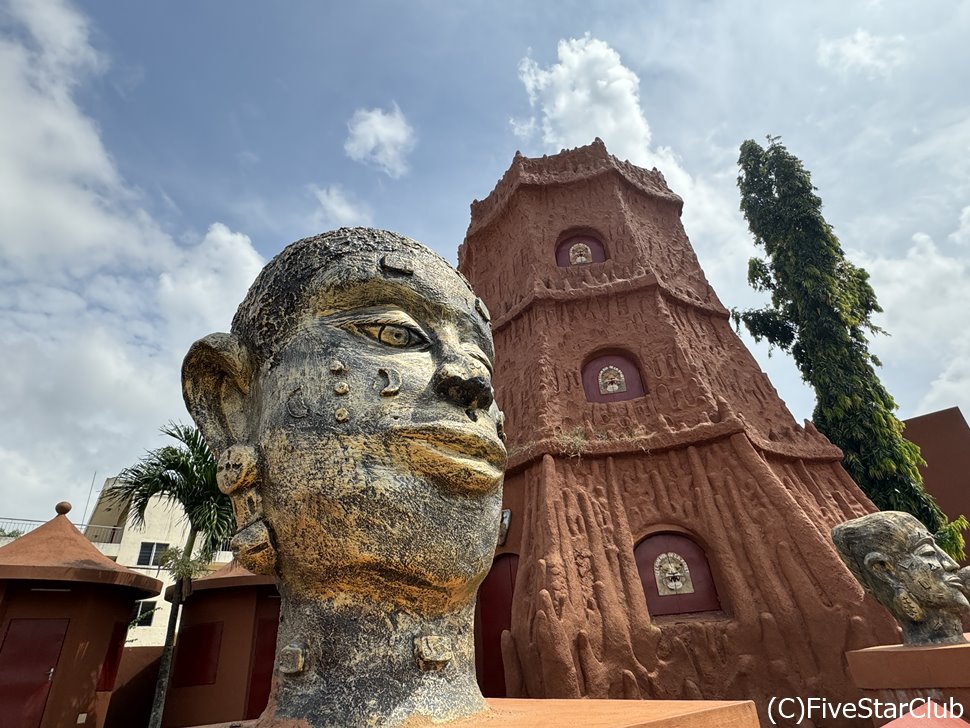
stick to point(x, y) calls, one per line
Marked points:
point(821, 312)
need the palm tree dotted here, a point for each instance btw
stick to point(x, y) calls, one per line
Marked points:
point(185, 475)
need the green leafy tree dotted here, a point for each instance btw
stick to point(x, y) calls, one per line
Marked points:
point(821, 311)
point(185, 475)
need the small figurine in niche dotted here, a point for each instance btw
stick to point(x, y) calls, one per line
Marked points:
point(898, 563)
point(580, 254)
point(353, 414)
point(611, 380)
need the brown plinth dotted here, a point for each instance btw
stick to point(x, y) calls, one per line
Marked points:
point(899, 673)
point(928, 716)
point(519, 713)
point(516, 713)
point(899, 666)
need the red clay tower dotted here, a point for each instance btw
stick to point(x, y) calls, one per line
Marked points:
point(669, 517)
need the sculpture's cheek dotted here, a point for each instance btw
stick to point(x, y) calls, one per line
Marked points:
point(330, 387)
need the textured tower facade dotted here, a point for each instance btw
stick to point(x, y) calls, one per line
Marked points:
point(670, 518)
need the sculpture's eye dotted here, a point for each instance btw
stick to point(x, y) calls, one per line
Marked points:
point(927, 551)
point(386, 326)
point(396, 335)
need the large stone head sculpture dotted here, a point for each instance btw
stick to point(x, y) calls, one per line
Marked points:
point(351, 409)
point(897, 561)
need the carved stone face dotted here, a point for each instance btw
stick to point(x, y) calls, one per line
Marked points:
point(351, 408)
point(611, 380)
point(927, 573)
point(895, 558)
point(672, 575)
point(579, 254)
point(379, 436)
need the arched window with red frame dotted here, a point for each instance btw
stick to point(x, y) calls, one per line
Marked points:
point(676, 575)
point(612, 376)
point(580, 248)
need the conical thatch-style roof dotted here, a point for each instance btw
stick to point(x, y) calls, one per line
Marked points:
point(57, 551)
point(229, 576)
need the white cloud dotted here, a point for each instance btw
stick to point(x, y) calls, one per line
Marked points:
point(922, 293)
point(950, 387)
point(200, 292)
point(863, 52)
point(962, 233)
point(590, 93)
point(381, 138)
point(67, 56)
point(337, 209)
point(523, 128)
point(99, 302)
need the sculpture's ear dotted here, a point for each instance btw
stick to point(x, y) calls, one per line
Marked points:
point(215, 383)
point(882, 567)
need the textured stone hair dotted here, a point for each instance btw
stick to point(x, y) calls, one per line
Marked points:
point(856, 539)
point(275, 300)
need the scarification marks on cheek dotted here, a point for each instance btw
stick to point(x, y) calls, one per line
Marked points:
point(296, 405)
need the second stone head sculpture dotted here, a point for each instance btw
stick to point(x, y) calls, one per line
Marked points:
point(351, 409)
point(897, 561)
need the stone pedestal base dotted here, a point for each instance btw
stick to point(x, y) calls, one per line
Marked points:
point(898, 674)
point(516, 713)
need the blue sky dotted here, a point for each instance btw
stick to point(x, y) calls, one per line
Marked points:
point(154, 155)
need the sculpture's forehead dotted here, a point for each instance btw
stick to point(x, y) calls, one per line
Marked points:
point(916, 535)
point(905, 530)
point(414, 279)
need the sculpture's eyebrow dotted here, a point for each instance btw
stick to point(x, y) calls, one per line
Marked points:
point(371, 292)
point(392, 314)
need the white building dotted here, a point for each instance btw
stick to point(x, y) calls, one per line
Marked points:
point(138, 548)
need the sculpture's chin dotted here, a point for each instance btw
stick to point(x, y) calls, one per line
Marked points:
point(961, 580)
point(961, 589)
point(386, 586)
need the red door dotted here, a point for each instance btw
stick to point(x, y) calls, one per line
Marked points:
point(264, 653)
point(493, 615)
point(28, 658)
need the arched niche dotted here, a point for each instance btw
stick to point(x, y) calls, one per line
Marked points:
point(493, 615)
point(579, 248)
point(676, 575)
point(612, 376)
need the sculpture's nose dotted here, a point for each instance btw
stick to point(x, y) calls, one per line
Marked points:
point(464, 383)
point(946, 562)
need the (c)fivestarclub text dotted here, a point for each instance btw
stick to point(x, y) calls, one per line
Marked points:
point(783, 711)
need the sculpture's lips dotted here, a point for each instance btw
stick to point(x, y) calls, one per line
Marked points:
point(460, 443)
point(959, 583)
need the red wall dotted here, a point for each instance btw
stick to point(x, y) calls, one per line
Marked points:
point(131, 701)
point(94, 612)
point(214, 682)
